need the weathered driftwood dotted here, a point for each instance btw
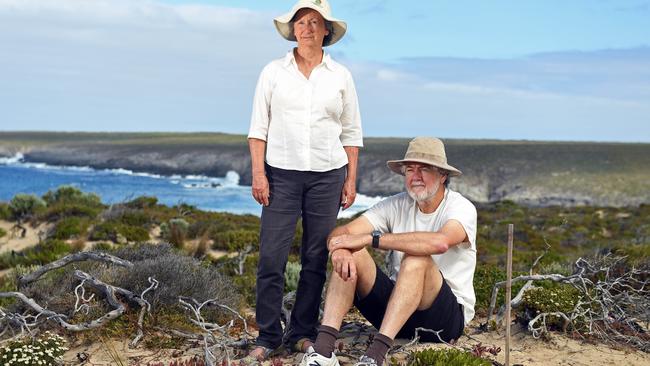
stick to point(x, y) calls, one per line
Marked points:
point(81, 302)
point(241, 258)
point(76, 257)
point(60, 318)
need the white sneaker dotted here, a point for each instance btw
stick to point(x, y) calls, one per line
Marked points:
point(366, 361)
point(316, 359)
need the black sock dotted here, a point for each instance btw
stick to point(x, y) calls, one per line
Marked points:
point(379, 347)
point(325, 340)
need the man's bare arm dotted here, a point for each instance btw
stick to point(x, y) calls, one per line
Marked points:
point(413, 243)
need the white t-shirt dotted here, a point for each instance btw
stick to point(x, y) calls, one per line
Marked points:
point(400, 214)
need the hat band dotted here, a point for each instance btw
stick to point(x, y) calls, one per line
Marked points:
point(439, 159)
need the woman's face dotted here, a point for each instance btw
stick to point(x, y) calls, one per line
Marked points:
point(309, 28)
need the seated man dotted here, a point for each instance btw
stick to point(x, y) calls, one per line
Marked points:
point(430, 231)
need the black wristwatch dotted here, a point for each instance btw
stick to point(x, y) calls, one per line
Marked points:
point(376, 234)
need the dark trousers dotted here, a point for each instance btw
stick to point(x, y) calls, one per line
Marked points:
point(316, 196)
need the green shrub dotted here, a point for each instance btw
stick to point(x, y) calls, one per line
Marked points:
point(134, 233)
point(236, 240)
point(59, 210)
point(638, 255)
point(70, 228)
point(104, 231)
point(47, 349)
point(553, 297)
point(245, 282)
point(5, 212)
point(135, 218)
point(485, 277)
point(201, 228)
point(7, 284)
point(23, 206)
point(291, 276)
point(143, 202)
point(175, 231)
point(72, 195)
point(103, 246)
point(46, 252)
point(445, 357)
point(2, 232)
point(178, 274)
point(109, 230)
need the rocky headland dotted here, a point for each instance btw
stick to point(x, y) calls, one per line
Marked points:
point(527, 172)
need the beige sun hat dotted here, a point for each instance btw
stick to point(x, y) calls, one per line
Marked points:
point(426, 150)
point(321, 6)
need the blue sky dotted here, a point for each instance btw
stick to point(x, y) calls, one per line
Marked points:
point(538, 70)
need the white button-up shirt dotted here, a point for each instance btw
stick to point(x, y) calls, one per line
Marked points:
point(306, 122)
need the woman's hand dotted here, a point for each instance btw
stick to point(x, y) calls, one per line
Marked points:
point(349, 193)
point(352, 242)
point(343, 264)
point(261, 189)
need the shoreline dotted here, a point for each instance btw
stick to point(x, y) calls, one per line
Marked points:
point(529, 173)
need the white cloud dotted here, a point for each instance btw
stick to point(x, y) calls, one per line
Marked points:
point(391, 75)
point(143, 65)
point(129, 65)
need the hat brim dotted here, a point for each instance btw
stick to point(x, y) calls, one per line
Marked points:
point(396, 166)
point(282, 25)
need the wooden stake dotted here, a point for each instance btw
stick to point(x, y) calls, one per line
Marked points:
point(509, 291)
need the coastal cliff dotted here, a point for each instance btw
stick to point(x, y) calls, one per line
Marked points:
point(531, 173)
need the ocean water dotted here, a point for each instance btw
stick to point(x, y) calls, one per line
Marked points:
point(120, 185)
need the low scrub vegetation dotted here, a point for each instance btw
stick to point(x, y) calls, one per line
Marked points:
point(444, 357)
point(122, 230)
point(40, 254)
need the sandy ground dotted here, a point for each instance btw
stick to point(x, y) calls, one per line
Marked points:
point(13, 241)
point(559, 350)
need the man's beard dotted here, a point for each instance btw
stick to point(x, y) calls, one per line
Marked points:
point(424, 195)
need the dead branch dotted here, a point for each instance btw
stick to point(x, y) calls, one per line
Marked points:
point(143, 310)
point(241, 259)
point(212, 341)
point(76, 257)
point(288, 302)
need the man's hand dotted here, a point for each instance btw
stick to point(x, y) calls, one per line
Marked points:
point(348, 194)
point(260, 189)
point(343, 263)
point(352, 242)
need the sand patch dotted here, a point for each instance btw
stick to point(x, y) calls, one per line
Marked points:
point(13, 241)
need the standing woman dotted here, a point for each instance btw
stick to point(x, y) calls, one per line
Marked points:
point(304, 138)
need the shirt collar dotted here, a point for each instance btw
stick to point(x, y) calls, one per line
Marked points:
point(327, 60)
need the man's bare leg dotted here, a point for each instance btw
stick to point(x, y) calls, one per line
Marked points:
point(339, 299)
point(340, 293)
point(418, 283)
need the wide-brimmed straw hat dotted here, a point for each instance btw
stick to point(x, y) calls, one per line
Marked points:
point(426, 150)
point(321, 6)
